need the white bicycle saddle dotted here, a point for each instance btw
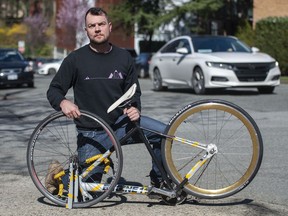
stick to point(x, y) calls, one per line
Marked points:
point(128, 94)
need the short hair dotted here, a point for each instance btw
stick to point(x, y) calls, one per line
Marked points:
point(96, 12)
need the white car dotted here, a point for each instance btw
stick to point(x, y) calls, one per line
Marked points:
point(49, 68)
point(207, 62)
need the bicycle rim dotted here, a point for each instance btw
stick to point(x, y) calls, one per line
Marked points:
point(55, 138)
point(236, 136)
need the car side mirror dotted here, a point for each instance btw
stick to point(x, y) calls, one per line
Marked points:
point(254, 49)
point(182, 50)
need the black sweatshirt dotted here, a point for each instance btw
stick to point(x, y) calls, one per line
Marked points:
point(98, 80)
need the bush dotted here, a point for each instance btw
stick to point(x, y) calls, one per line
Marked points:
point(246, 33)
point(270, 37)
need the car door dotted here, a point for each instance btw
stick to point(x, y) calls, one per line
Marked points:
point(166, 60)
point(181, 63)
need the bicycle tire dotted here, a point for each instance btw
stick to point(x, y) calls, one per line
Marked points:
point(55, 138)
point(239, 143)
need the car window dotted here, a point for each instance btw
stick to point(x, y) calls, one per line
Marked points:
point(240, 46)
point(9, 56)
point(172, 47)
point(185, 43)
point(218, 44)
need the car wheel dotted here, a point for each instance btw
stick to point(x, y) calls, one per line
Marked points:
point(266, 89)
point(51, 71)
point(198, 81)
point(157, 80)
point(142, 73)
point(30, 85)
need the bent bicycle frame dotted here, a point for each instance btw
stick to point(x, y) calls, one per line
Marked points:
point(76, 182)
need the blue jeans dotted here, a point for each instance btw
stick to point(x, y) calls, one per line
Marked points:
point(91, 143)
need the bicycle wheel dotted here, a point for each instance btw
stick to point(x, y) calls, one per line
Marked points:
point(238, 141)
point(55, 139)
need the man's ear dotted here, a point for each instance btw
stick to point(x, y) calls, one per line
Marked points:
point(110, 26)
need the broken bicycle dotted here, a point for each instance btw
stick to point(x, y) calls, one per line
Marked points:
point(211, 149)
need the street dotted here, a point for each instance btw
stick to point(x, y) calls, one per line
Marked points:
point(22, 109)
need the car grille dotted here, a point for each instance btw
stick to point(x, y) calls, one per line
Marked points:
point(251, 72)
point(11, 70)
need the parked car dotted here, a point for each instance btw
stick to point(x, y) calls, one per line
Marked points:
point(14, 70)
point(132, 52)
point(207, 62)
point(142, 64)
point(37, 62)
point(49, 68)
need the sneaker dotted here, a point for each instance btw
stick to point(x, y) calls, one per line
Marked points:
point(52, 184)
point(155, 180)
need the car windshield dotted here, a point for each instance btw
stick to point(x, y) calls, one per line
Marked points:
point(9, 56)
point(218, 44)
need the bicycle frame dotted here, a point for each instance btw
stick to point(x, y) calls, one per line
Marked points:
point(209, 151)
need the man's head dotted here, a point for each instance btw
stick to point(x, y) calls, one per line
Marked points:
point(97, 26)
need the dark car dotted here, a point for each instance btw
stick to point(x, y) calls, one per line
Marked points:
point(132, 52)
point(142, 64)
point(14, 70)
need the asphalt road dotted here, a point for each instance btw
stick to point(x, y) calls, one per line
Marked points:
point(21, 110)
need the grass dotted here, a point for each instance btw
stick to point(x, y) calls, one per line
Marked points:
point(284, 79)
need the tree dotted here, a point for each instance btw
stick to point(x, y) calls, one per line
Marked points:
point(193, 16)
point(153, 14)
point(235, 14)
point(142, 12)
point(70, 21)
point(188, 17)
point(11, 29)
point(10, 35)
point(36, 36)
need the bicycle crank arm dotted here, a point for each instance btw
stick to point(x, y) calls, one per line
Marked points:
point(168, 193)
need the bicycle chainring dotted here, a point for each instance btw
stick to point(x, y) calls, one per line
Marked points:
point(180, 198)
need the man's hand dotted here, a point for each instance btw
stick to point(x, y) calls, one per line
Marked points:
point(133, 113)
point(70, 109)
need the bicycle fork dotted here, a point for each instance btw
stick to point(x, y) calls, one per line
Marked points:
point(211, 149)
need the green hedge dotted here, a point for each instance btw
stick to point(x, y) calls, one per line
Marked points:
point(270, 36)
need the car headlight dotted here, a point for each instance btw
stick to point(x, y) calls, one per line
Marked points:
point(28, 69)
point(274, 64)
point(219, 65)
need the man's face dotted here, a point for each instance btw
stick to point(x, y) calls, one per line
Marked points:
point(98, 28)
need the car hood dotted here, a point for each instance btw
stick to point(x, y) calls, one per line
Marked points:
point(238, 57)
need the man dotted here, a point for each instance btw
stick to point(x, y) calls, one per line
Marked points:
point(100, 73)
